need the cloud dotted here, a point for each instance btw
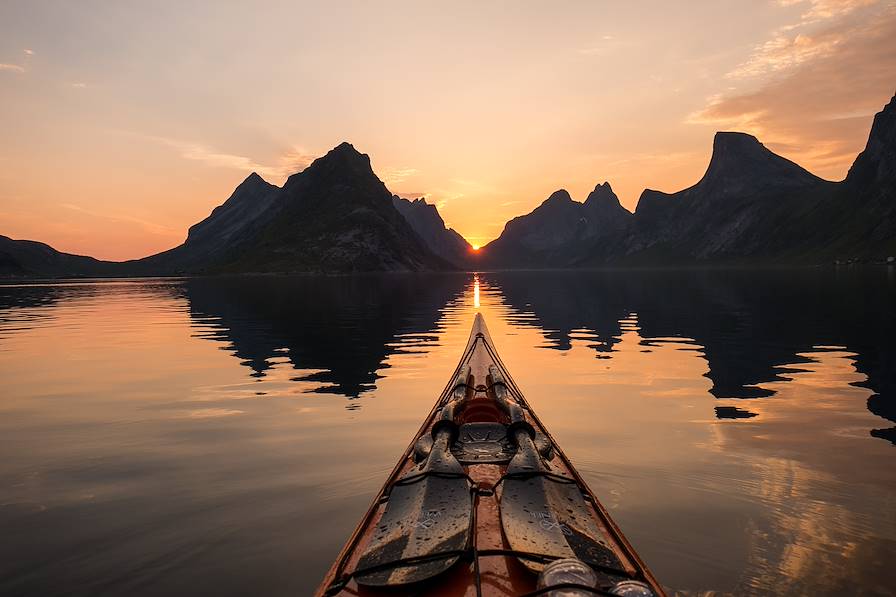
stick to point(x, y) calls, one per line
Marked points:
point(441, 197)
point(397, 175)
point(79, 85)
point(15, 68)
point(28, 52)
point(797, 43)
point(150, 227)
point(605, 44)
point(815, 95)
point(817, 10)
point(293, 160)
point(785, 52)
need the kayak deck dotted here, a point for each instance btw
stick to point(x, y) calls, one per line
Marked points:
point(527, 505)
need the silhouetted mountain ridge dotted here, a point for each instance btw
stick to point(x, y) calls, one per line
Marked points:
point(335, 215)
point(740, 164)
point(550, 233)
point(32, 259)
point(730, 213)
point(750, 207)
point(424, 218)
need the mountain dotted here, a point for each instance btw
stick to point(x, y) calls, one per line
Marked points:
point(424, 218)
point(742, 207)
point(751, 207)
point(31, 259)
point(603, 211)
point(554, 232)
point(755, 207)
point(212, 239)
point(868, 194)
point(334, 216)
point(227, 222)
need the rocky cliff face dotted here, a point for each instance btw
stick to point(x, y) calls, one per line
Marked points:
point(424, 218)
point(336, 215)
point(743, 196)
point(868, 194)
point(251, 199)
point(220, 236)
point(603, 212)
point(750, 207)
point(875, 168)
point(554, 232)
point(753, 206)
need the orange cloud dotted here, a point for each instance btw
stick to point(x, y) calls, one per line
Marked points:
point(826, 9)
point(820, 91)
point(292, 161)
point(145, 225)
point(397, 175)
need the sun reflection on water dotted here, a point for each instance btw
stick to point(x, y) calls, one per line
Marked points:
point(476, 291)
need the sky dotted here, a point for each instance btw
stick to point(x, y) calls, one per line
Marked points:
point(123, 122)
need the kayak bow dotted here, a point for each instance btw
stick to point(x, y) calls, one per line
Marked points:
point(484, 502)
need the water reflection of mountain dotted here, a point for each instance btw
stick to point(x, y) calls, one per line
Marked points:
point(24, 305)
point(341, 328)
point(753, 325)
point(36, 295)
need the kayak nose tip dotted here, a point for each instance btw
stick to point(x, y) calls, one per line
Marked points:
point(632, 588)
point(567, 574)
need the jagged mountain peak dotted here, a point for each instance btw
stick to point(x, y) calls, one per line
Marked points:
point(733, 150)
point(735, 140)
point(741, 165)
point(419, 206)
point(343, 162)
point(560, 195)
point(740, 151)
point(249, 200)
point(602, 194)
point(877, 163)
point(346, 151)
point(254, 178)
point(557, 197)
point(252, 184)
point(426, 221)
point(422, 203)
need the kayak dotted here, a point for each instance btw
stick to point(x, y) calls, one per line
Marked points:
point(484, 502)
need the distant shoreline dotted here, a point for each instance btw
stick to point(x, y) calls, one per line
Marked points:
point(7, 280)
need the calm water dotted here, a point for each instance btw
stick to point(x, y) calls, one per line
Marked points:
point(179, 437)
